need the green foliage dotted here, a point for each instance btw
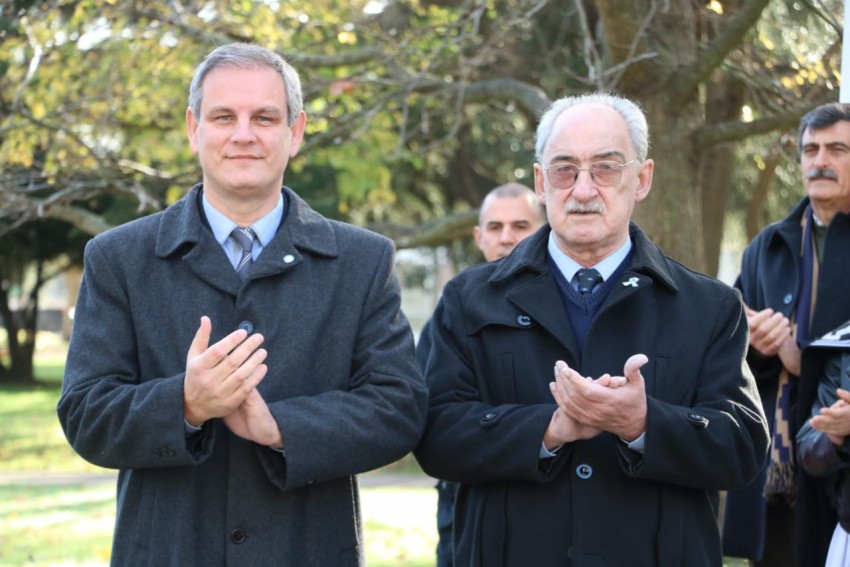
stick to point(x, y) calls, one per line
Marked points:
point(93, 92)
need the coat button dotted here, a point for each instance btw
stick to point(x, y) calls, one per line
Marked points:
point(247, 326)
point(490, 416)
point(238, 536)
point(787, 299)
point(523, 320)
point(584, 471)
point(698, 420)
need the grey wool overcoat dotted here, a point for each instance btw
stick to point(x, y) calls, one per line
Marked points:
point(342, 385)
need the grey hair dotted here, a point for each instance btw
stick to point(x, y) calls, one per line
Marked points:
point(629, 110)
point(248, 56)
point(822, 117)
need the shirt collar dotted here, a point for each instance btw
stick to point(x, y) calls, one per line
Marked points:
point(569, 267)
point(222, 226)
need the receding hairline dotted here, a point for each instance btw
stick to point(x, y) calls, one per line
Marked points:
point(513, 190)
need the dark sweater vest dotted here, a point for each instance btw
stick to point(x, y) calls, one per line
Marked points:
point(582, 309)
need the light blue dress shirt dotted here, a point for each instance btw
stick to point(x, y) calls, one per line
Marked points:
point(222, 226)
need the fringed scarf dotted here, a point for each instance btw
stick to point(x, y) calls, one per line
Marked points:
point(781, 483)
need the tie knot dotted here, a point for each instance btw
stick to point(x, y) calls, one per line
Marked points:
point(245, 237)
point(587, 279)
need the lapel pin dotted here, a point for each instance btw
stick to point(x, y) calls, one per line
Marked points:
point(632, 282)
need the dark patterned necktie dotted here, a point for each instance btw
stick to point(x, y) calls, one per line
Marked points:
point(587, 279)
point(245, 237)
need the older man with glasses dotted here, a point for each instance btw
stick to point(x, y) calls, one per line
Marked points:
point(589, 393)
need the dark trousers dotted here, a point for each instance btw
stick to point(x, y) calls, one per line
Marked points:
point(779, 549)
point(446, 492)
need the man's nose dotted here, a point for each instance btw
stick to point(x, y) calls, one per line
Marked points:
point(243, 130)
point(507, 235)
point(585, 187)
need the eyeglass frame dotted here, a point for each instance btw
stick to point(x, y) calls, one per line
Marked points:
point(622, 166)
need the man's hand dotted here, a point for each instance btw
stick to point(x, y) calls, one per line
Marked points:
point(768, 330)
point(616, 404)
point(835, 420)
point(220, 377)
point(564, 429)
point(253, 421)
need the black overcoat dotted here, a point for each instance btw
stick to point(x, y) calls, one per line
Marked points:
point(497, 332)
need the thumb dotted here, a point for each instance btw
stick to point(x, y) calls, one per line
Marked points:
point(202, 338)
point(631, 370)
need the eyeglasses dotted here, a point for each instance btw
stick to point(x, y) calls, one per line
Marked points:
point(604, 173)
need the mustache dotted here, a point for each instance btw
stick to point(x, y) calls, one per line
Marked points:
point(821, 173)
point(590, 207)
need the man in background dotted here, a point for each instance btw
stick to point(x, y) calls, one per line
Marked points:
point(508, 214)
point(794, 277)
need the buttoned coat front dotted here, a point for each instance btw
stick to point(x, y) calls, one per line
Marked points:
point(342, 385)
point(497, 333)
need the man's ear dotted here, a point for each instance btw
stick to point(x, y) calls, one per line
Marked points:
point(192, 129)
point(644, 180)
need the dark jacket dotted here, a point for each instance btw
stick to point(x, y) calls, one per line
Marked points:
point(770, 277)
point(342, 385)
point(817, 454)
point(499, 329)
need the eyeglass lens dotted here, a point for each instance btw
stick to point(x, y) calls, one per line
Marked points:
point(604, 173)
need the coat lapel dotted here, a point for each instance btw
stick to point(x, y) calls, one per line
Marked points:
point(183, 229)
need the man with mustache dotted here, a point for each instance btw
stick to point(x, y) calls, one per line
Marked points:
point(590, 420)
point(794, 278)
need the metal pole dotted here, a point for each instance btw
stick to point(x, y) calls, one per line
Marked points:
point(844, 92)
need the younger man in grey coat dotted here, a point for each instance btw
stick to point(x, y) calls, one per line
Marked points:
point(240, 386)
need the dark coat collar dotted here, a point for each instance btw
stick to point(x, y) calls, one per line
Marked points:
point(531, 253)
point(301, 228)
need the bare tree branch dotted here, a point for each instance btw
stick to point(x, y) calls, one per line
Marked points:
point(730, 37)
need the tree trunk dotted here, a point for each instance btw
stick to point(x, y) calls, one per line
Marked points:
point(675, 202)
point(755, 218)
point(724, 100)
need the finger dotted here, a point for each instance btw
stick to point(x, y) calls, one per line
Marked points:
point(244, 354)
point(779, 329)
point(252, 370)
point(756, 318)
point(631, 370)
point(561, 366)
point(611, 381)
point(843, 394)
point(202, 338)
point(232, 351)
point(556, 393)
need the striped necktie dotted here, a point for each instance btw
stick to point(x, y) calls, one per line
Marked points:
point(245, 237)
